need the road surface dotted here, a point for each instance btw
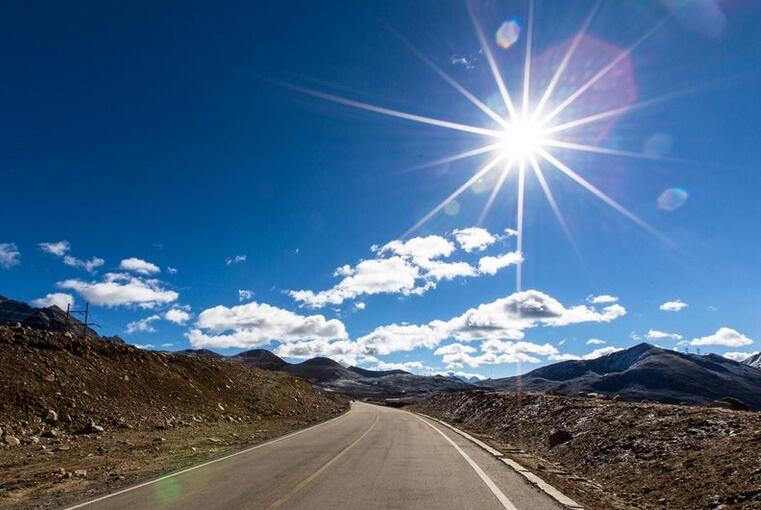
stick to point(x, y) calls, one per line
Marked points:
point(371, 458)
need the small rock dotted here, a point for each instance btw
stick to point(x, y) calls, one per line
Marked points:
point(11, 440)
point(214, 440)
point(220, 407)
point(92, 427)
point(559, 437)
point(49, 378)
point(80, 473)
point(52, 433)
point(51, 416)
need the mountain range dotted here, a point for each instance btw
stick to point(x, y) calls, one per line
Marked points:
point(645, 373)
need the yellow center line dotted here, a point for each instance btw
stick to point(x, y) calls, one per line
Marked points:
point(303, 483)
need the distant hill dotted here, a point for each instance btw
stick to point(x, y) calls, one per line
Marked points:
point(355, 381)
point(51, 318)
point(644, 373)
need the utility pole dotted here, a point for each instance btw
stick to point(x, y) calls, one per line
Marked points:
point(86, 313)
point(68, 309)
point(84, 325)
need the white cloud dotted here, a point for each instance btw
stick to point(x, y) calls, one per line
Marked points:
point(342, 351)
point(118, 289)
point(171, 270)
point(408, 366)
point(245, 294)
point(510, 232)
point(9, 255)
point(563, 357)
point(494, 351)
point(139, 266)
point(143, 325)
point(399, 337)
point(360, 306)
point(167, 345)
point(673, 306)
point(236, 259)
point(145, 347)
point(603, 351)
point(60, 299)
point(255, 324)
point(454, 348)
point(474, 238)
point(88, 265)
point(490, 265)
point(738, 356)
point(655, 334)
point(177, 315)
point(58, 249)
point(374, 276)
point(602, 299)
point(507, 317)
point(409, 267)
point(595, 341)
point(723, 336)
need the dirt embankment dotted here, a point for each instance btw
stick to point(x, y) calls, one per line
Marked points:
point(80, 417)
point(617, 455)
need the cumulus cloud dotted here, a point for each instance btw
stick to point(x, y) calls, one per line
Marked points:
point(88, 265)
point(655, 334)
point(342, 351)
point(374, 276)
point(360, 306)
point(459, 374)
point(9, 255)
point(490, 265)
point(177, 316)
point(723, 336)
point(602, 299)
point(399, 337)
point(245, 294)
point(407, 366)
point(255, 324)
point(119, 289)
point(143, 325)
point(409, 267)
point(508, 317)
point(235, 259)
point(595, 341)
point(139, 266)
point(59, 299)
point(171, 270)
point(738, 356)
point(673, 306)
point(58, 249)
point(493, 351)
point(474, 238)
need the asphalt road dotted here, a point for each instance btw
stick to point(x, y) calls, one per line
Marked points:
point(370, 458)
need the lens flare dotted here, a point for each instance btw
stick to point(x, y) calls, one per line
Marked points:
point(672, 199)
point(508, 34)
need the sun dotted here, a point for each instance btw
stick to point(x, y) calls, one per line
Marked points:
point(522, 140)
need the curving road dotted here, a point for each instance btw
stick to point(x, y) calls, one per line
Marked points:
point(370, 458)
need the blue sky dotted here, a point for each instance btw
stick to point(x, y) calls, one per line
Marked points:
point(183, 135)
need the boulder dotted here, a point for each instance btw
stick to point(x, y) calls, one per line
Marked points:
point(559, 437)
point(11, 440)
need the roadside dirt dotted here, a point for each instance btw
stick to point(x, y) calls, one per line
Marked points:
point(617, 455)
point(80, 418)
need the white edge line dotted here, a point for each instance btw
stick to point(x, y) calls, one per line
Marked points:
point(204, 464)
point(532, 478)
point(506, 503)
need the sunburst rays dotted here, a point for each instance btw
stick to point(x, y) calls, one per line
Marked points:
point(523, 140)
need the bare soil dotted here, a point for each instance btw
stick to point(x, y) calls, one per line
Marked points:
point(91, 416)
point(620, 455)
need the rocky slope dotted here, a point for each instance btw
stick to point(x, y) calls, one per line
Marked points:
point(620, 455)
point(645, 373)
point(118, 413)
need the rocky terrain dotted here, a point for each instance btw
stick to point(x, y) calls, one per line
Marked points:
point(645, 373)
point(619, 455)
point(354, 381)
point(79, 416)
point(51, 318)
